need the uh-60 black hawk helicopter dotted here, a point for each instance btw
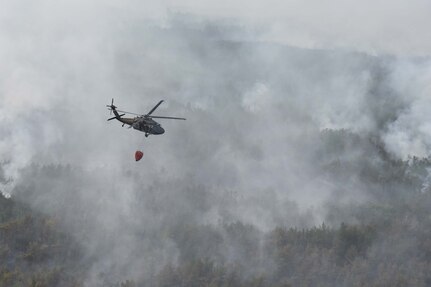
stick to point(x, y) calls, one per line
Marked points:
point(143, 123)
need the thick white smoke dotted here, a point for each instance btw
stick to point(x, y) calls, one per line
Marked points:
point(410, 133)
point(255, 101)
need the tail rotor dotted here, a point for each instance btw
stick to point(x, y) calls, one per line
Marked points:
point(111, 107)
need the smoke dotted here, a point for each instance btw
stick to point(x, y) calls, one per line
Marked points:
point(409, 133)
point(256, 101)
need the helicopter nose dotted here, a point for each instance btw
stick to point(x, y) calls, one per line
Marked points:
point(159, 130)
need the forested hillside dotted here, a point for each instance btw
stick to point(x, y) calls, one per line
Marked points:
point(33, 249)
point(383, 239)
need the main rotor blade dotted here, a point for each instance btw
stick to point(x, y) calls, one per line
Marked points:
point(129, 113)
point(155, 107)
point(172, 118)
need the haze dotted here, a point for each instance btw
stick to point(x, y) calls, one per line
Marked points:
point(258, 81)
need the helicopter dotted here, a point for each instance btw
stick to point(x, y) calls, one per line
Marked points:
point(143, 123)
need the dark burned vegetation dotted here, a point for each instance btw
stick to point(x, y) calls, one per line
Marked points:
point(382, 241)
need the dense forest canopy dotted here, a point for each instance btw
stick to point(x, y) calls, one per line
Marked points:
point(381, 241)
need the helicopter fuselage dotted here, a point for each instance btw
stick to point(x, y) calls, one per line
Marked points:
point(148, 126)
